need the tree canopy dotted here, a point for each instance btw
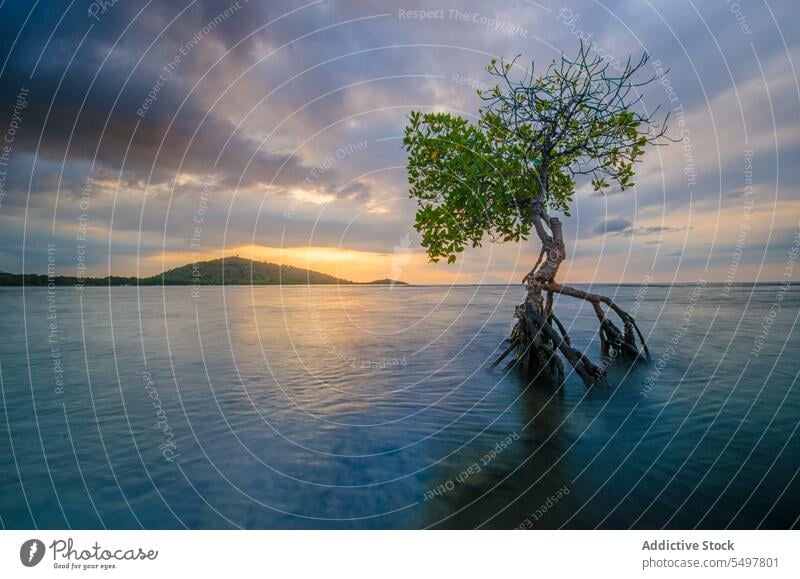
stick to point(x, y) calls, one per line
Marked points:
point(533, 138)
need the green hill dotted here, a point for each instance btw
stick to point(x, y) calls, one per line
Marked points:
point(229, 271)
point(240, 271)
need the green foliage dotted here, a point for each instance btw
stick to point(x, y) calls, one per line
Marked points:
point(466, 183)
point(521, 158)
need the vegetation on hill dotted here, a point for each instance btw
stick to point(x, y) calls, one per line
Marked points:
point(41, 280)
point(240, 271)
point(228, 271)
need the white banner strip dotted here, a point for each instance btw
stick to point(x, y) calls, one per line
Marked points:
point(400, 554)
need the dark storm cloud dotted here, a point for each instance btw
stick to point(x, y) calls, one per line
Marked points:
point(625, 228)
point(357, 190)
point(138, 117)
point(612, 226)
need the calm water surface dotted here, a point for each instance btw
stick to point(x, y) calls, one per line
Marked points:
point(376, 407)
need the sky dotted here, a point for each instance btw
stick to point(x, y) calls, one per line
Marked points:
point(139, 136)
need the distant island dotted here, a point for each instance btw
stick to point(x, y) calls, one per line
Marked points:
point(225, 271)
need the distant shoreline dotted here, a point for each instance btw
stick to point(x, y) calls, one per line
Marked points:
point(238, 271)
point(231, 271)
point(375, 284)
point(134, 282)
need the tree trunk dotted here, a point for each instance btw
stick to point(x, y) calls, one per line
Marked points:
point(538, 335)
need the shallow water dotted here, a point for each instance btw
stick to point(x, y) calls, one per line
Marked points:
point(376, 407)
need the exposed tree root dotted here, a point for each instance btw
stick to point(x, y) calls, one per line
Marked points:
point(611, 338)
point(539, 336)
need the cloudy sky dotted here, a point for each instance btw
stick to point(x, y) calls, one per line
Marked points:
point(141, 135)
